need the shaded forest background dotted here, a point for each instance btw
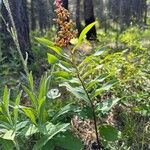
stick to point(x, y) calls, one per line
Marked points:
point(38, 15)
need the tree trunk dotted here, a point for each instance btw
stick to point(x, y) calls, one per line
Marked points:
point(145, 13)
point(78, 23)
point(19, 13)
point(33, 15)
point(43, 14)
point(6, 39)
point(65, 4)
point(101, 12)
point(89, 18)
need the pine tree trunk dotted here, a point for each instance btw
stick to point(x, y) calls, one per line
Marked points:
point(78, 23)
point(19, 13)
point(65, 4)
point(33, 15)
point(6, 39)
point(89, 18)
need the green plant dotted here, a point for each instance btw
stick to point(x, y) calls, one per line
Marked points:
point(79, 79)
point(10, 126)
point(41, 124)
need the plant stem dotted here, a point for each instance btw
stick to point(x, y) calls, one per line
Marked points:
point(90, 100)
point(93, 109)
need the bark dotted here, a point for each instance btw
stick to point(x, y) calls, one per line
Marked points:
point(65, 4)
point(89, 18)
point(33, 15)
point(101, 12)
point(42, 14)
point(19, 12)
point(78, 23)
point(6, 39)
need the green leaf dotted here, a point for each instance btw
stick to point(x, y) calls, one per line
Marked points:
point(55, 129)
point(9, 135)
point(45, 41)
point(76, 91)
point(30, 95)
point(6, 97)
point(109, 133)
point(62, 74)
point(99, 52)
point(29, 112)
point(5, 104)
point(50, 45)
point(106, 106)
point(105, 87)
point(68, 142)
point(66, 66)
point(66, 109)
point(16, 108)
point(52, 59)
point(21, 125)
point(6, 144)
point(30, 79)
point(50, 145)
point(30, 130)
point(86, 30)
point(56, 49)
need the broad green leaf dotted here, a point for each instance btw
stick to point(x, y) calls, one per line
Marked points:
point(107, 105)
point(76, 91)
point(62, 74)
point(54, 130)
point(86, 30)
point(30, 130)
point(29, 112)
point(68, 141)
point(56, 49)
point(50, 45)
point(109, 133)
point(52, 59)
point(45, 41)
point(21, 125)
point(66, 109)
point(9, 135)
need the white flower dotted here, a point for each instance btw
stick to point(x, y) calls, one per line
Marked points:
point(53, 94)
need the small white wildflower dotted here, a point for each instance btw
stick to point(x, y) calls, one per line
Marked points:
point(53, 94)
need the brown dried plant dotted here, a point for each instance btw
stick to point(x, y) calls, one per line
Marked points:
point(66, 30)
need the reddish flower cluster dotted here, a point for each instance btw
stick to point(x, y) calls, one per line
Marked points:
point(65, 24)
point(58, 3)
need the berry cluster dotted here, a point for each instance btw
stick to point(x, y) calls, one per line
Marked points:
point(66, 26)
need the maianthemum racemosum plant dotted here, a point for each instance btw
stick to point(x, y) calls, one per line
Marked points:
point(79, 79)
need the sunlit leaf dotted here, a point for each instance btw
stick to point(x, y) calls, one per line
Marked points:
point(52, 59)
point(86, 30)
point(45, 41)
